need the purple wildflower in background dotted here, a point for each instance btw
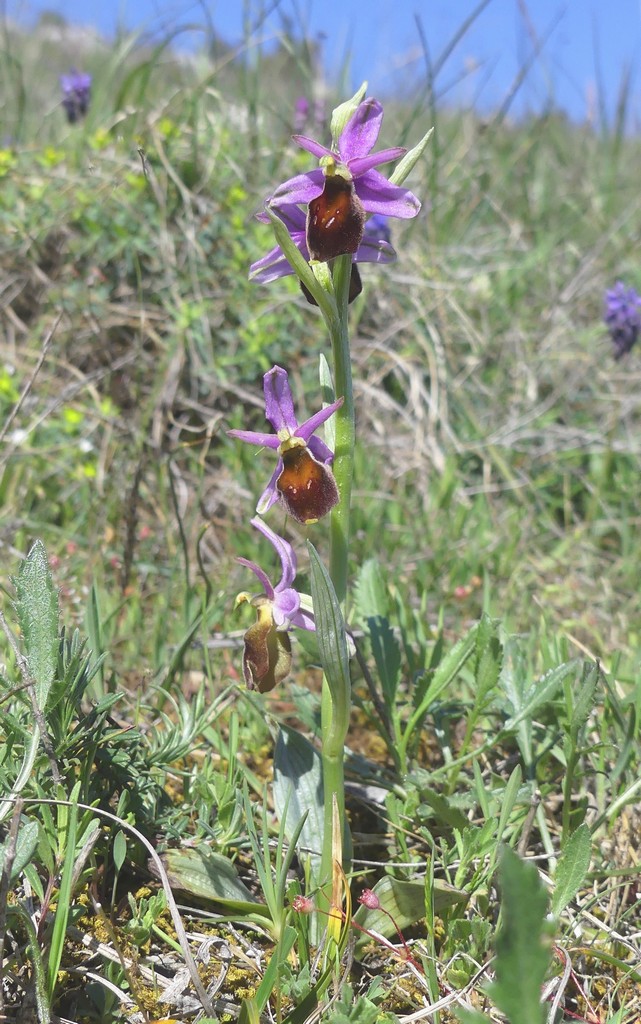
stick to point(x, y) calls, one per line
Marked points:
point(267, 655)
point(622, 316)
point(76, 93)
point(301, 113)
point(302, 480)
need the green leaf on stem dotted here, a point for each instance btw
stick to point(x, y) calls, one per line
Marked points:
point(331, 634)
point(298, 788)
point(342, 113)
point(406, 165)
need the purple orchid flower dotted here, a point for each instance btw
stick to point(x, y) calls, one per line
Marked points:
point(377, 229)
point(622, 316)
point(284, 599)
point(355, 163)
point(374, 248)
point(302, 480)
point(267, 654)
point(76, 93)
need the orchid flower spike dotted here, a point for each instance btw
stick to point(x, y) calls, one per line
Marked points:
point(346, 186)
point(267, 655)
point(302, 480)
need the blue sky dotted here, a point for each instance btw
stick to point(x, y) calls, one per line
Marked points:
point(587, 44)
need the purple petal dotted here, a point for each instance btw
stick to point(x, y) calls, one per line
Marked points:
point(285, 553)
point(279, 404)
point(320, 450)
point(292, 217)
point(306, 429)
point(303, 620)
point(264, 579)
point(269, 496)
point(312, 147)
point(362, 164)
point(372, 250)
point(275, 264)
point(300, 189)
point(378, 195)
point(253, 437)
point(361, 131)
point(285, 607)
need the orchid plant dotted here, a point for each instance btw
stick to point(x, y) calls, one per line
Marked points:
point(326, 221)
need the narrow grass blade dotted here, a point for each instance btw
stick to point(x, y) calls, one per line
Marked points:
point(64, 898)
point(269, 980)
point(24, 775)
point(507, 803)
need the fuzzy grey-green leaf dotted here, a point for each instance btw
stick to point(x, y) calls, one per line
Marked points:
point(572, 868)
point(370, 592)
point(26, 843)
point(523, 946)
point(38, 612)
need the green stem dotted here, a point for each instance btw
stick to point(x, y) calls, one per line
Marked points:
point(343, 465)
point(335, 716)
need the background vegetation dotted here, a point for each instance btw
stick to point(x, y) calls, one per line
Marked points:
point(497, 490)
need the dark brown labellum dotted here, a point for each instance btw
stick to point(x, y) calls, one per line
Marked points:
point(307, 487)
point(355, 287)
point(335, 220)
